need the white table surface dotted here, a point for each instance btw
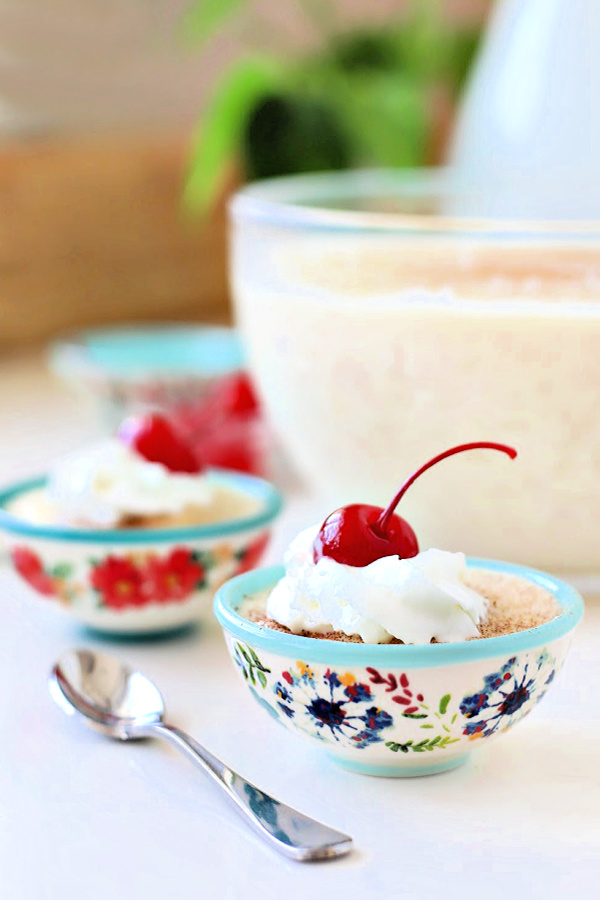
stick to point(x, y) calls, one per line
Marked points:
point(82, 817)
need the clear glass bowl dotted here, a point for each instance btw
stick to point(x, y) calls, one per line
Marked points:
point(384, 323)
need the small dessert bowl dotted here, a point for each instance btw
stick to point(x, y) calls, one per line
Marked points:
point(397, 709)
point(133, 580)
point(125, 368)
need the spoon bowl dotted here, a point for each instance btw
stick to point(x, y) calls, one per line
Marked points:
point(111, 697)
point(108, 694)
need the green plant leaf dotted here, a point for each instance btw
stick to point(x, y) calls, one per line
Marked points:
point(385, 114)
point(365, 49)
point(204, 17)
point(288, 132)
point(408, 715)
point(464, 45)
point(444, 703)
point(261, 677)
point(423, 43)
point(220, 130)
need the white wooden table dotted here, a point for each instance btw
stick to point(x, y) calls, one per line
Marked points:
point(81, 817)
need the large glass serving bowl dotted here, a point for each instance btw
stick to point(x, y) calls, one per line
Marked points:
point(385, 322)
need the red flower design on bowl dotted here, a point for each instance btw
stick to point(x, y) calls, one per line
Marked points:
point(30, 567)
point(252, 554)
point(119, 582)
point(173, 578)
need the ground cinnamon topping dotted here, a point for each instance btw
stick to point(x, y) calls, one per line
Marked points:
point(515, 604)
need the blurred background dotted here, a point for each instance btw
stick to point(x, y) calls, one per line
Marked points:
point(125, 129)
point(111, 206)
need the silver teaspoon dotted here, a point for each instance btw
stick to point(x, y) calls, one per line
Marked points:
point(127, 706)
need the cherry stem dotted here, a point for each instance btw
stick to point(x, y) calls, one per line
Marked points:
point(383, 521)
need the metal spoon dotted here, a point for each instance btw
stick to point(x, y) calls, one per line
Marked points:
point(126, 705)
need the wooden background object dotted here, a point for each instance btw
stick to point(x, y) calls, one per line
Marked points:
point(92, 232)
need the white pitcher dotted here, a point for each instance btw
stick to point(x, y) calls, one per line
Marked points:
point(528, 133)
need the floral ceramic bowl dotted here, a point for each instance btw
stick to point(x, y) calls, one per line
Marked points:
point(396, 709)
point(138, 581)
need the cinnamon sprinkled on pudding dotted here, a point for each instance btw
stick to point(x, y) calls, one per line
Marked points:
point(515, 604)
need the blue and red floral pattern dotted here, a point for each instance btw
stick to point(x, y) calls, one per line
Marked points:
point(371, 706)
point(335, 706)
point(505, 695)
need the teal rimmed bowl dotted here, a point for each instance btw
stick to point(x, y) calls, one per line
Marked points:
point(137, 581)
point(398, 710)
point(164, 365)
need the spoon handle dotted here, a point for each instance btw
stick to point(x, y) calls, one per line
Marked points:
point(290, 832)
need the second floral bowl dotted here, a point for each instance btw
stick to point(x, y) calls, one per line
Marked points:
point(396, 709)
point(133, 581)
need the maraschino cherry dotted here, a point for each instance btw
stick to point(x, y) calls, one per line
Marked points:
point(358, 534)
point(153, 437)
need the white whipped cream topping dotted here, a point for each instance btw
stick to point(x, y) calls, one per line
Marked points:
point(413, 600)
point(102, 483)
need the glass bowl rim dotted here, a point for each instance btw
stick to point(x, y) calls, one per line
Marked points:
point(278, 202)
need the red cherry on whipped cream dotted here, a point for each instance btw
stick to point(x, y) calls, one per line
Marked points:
point(153, 437)
point(358, 534)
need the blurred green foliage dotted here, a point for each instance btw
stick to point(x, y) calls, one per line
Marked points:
point(361, 99)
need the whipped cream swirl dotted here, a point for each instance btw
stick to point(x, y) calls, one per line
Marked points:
point(414, 600)
point(101, 484)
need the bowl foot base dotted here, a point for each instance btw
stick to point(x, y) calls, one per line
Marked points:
point(400, 771)
point(157, 634)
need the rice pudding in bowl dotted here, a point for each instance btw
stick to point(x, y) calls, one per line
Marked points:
point(379, 325)
point(400, 666)
point(130, 544)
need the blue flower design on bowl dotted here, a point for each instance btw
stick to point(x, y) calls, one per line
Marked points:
point(331, 706)
point(499, 704)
